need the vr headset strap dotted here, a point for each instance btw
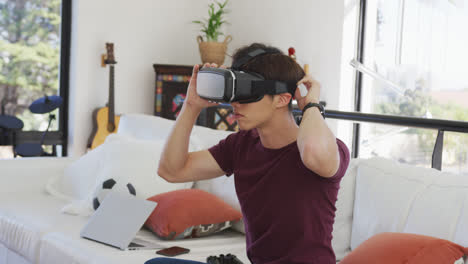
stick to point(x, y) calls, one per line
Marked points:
point(239, 63)
point(274, 87)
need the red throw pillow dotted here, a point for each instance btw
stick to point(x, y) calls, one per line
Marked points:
point(396, 248)
point(190, 213)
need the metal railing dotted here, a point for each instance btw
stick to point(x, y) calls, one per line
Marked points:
point(440, 125)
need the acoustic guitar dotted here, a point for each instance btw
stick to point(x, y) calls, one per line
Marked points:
point(105, 122)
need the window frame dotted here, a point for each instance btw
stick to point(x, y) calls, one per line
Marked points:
point(440, 125)
point(59, 137)
point(358, 79)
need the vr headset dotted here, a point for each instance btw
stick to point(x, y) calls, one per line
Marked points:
point(235, 85)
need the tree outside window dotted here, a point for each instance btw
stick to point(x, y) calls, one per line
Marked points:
point(420, 46)
point(29, 58)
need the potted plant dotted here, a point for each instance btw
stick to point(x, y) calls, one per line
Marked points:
point(210, 49)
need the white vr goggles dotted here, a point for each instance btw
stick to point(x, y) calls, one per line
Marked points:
point(234, 85)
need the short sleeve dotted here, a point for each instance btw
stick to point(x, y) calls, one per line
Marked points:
point(344, 161)
point(224, 153)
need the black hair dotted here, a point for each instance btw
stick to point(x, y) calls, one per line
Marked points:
point(274, 65)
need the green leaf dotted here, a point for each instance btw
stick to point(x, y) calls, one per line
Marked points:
point(212, 25)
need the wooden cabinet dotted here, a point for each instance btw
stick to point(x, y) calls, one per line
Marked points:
point(170, 90)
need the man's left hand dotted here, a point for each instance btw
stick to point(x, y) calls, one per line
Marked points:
point(313, 92)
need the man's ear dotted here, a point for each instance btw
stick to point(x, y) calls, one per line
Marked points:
point(283, 99)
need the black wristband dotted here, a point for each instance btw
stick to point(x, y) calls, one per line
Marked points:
point(319, 106)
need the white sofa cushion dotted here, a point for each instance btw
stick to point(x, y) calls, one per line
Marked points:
point(27, 174)
point(8, 256)
point(223, 187)
point(461, 230)
point(440, 209)
point(136, 162)
point(25, 218)
point(121, 158)
point(393, 197)
point(209, 137)
point(78, 178)
point(341, 241)
point(155, 128)
point(146, 127)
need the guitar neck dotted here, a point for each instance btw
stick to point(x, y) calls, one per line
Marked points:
point(111, 95)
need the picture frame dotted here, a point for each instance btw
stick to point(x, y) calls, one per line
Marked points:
point(171, 88)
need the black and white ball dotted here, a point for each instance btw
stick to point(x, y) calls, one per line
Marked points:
point(111, 185)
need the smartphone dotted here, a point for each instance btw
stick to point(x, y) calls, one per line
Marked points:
point(173, 251)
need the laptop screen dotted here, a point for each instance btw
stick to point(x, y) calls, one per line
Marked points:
point(118, 219)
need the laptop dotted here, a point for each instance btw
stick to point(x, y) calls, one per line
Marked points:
point(117, 221)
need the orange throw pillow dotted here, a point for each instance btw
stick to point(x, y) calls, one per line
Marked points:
point(396, 248)
point(190, 213)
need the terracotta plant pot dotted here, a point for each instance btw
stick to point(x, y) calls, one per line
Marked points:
point(213, 52)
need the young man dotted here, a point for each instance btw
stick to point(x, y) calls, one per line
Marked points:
point(287, 176)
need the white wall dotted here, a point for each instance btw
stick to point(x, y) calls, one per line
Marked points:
point(159, 31)
point(312, 27)
point(347, 73)
point(144, 32)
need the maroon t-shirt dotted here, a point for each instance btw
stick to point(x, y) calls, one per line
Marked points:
point(288, 209)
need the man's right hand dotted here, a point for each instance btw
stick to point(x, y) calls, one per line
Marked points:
point(193, 100)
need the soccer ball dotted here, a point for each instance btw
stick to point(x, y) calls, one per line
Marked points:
point(107, 186)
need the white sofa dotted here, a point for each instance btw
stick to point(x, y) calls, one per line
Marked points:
point(376, 195)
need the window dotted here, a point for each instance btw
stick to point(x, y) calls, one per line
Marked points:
point(34, 62)
point(415, 53)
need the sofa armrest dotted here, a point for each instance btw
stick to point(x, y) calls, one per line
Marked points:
point(29, 174)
